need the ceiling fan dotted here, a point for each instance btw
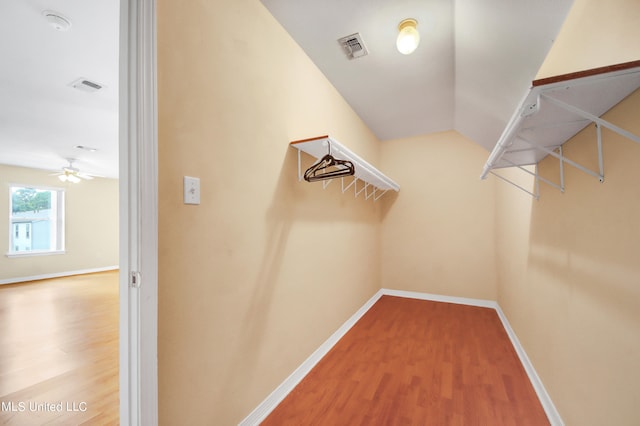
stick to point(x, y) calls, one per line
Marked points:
point(71, 174)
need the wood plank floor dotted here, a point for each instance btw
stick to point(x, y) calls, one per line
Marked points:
point(416, 362)
point(59, 351)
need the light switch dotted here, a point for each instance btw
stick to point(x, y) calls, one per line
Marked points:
point(191, 190)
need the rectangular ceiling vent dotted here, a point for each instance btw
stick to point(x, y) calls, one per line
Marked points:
point(353, 46)
point(86, 85)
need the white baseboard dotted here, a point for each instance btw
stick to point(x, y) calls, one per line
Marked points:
point(440, 298)
point(272, 401)
point(552, 413)
point(57, 275)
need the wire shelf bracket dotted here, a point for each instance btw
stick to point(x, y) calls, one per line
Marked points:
point(374, 183)
point(556, 109)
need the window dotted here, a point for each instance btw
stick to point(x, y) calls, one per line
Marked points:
point(37, 220)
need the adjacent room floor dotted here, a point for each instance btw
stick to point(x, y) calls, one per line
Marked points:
point(59, 351)
point(417, 362)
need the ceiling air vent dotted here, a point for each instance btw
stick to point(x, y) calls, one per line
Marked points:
point(86, 85)
point(353, 46)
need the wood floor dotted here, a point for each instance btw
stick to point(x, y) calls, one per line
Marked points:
point(59, 351)
point(415, 362)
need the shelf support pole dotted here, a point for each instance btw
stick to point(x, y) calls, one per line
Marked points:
point(600, 159)
point(514, 184)
point(299, 169)
point(368, 195)
point(536, 175)
point(538, 178)
point(561, 168)
point(593, 118)
point(564, 159)
point(344, 189)
point(383, 192)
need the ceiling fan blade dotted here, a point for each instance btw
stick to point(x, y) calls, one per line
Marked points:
point(84, 176)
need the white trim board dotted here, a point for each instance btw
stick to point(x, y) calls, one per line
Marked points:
point(272, 401)
point(138, 173)
point(57, 275)
point(549, 408)
point(440, 298)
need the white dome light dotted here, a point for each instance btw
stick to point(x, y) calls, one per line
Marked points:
point(408, 37)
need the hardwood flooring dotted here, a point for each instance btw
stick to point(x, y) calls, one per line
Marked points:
point(415, 362)
point(59, 351)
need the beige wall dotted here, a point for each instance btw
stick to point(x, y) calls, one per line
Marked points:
point(596, 33)
point(438, 233)
point(91, 214)
point(257, 276)
point(568, 277)
point(568, 264)
point(266, 268)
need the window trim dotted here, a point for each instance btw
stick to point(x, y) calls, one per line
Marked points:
point(60, 222)
point(32, 253)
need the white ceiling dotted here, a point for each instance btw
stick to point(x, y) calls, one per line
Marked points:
point(42, 119)
point(475, 61)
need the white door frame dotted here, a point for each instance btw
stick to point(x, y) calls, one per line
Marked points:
point(138, 215)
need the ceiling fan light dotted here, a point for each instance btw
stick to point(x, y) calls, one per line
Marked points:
point(408, 36)
point(63, 178)
point(73, 179)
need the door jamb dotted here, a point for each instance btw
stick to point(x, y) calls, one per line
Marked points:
point(138, 214)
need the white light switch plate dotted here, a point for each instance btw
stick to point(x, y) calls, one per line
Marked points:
point(191, 190)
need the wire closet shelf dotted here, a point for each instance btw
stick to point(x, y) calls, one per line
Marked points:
point(553, 111)
point(374, 184)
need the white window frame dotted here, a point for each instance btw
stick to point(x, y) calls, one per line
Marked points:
point(58, 229)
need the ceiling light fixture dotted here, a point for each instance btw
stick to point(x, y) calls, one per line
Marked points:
point(408, 36)
point(68, 176)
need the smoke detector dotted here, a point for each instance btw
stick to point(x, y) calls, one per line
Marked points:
point(353, 46)
point(57, 20)
point(86, 85)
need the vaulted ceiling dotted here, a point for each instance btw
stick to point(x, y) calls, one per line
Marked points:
point(475, 62)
